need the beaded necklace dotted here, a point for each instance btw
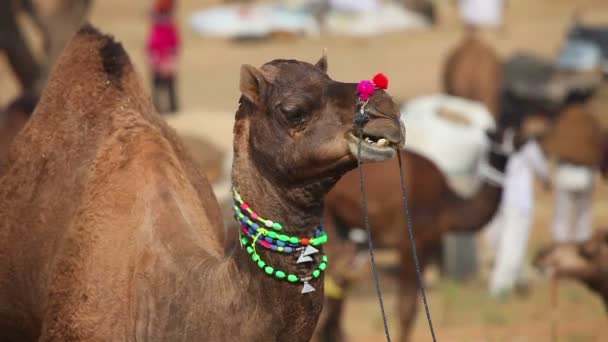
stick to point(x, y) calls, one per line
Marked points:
point(256, 232)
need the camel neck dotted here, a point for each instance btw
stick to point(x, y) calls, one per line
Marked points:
point(299, 211)
point(297, 208)
point(296, 212)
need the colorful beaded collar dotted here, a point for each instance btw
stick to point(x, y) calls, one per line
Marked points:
point(257, 232)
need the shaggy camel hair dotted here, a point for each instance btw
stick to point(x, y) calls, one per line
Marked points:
point(435, 210)
point(108, 231)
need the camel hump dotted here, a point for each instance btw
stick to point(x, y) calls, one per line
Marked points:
point(90, 64)
point(92, 88)
point(112, 56)
point(93, 78)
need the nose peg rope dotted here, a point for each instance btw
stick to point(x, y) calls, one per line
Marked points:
point(410, 228)
point(366, 89)
point(363, 118)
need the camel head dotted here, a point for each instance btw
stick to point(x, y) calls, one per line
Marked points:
point(586, 261)
point(295, 119)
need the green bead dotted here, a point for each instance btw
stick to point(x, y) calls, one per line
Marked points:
point(255, 258)
point(280, 274)
point(249, 250)
point(324, 258)
point(240, 216)
point(283, 238)
point(320, 240)
point(268, 270)
point(261, 263)
point(277, 226)
point(272, 235)
point(249, 223)
point(292, 278)
point(322, 266)
point(280, 249)
point(244, 241)
point(316, 273)
point(294, 240)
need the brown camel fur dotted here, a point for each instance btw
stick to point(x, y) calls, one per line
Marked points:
point(108, 232)
point(206, 155)
point(435, 210)
point(585, 261)
point(473, 70)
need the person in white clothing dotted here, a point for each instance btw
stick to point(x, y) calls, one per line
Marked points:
point(508, 234)
point(482, 13)
point(576, 141)
point(573, 202)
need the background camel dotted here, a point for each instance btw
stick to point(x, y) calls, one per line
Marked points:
point(586, 262)
point(12, 120)
point(60, 24)
point(473, 70)
point(13, 43)
point(55, 29)
point(435, 209)
point(124, 237)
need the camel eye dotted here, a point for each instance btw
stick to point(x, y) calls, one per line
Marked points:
point(294, 115)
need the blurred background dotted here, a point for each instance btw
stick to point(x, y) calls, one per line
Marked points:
point(410, 41)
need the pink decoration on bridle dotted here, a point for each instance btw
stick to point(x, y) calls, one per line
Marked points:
point(366, 88)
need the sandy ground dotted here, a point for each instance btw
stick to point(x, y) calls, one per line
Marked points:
point(208, 84)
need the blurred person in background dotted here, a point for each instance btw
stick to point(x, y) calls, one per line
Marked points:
point(509, 232)
point(482, 13)
point(163, 47)
point(576, 141)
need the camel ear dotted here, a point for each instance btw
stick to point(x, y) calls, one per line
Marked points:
point(252, 83)
point(322, 62)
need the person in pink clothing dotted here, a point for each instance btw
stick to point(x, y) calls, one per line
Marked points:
point(163, 47)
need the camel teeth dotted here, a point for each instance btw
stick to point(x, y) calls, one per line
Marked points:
point(382, 142)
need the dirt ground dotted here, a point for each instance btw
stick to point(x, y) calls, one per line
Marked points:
point(208, 83)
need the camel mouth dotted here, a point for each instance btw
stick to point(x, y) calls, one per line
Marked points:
point(373, 149)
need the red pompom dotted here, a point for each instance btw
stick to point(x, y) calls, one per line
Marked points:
point(381, 81)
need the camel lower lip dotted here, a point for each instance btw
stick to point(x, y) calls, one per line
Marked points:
point(369, 152)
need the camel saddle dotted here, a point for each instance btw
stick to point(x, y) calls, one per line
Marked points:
point(541, 81)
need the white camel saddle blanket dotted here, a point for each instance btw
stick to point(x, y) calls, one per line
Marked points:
point(450, 131)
